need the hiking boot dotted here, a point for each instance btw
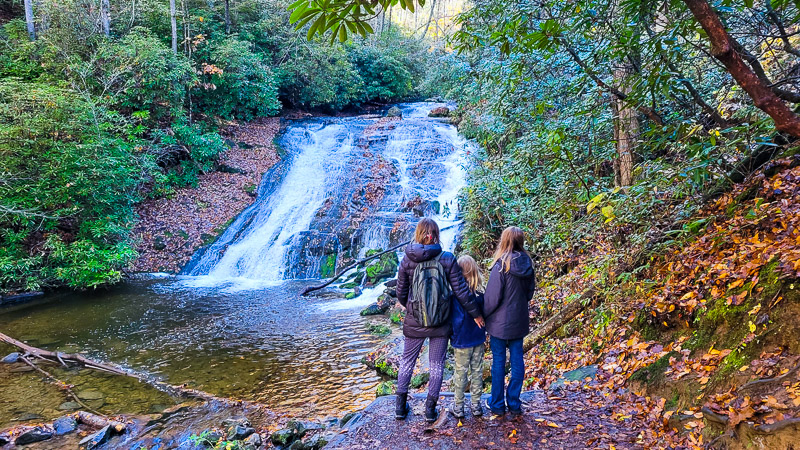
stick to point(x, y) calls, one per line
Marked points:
point(431, 414)
point(477, 411)
point(401, 408)
point(457, 411)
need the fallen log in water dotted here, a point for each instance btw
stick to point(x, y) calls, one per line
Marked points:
point(32, 354)
point(362, 261)
point(61, 358)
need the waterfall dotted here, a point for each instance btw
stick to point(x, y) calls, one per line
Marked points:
point(301, 219)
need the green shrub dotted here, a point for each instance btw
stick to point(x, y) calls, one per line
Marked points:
point(67, 186)
point(153, 78)
point(236, 83)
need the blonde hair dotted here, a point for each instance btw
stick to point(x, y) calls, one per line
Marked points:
point(471, 272)
point(512, 239)
point(427, 232)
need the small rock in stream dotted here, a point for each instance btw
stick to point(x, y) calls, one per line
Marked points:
point(90, 395)
point(65, 425)
point(4, 439)
point(35, 434)
point(318, 441)
point(11, 358)
point(69, 406)
point(372, 310)
point(394, 111)
point(282, 438)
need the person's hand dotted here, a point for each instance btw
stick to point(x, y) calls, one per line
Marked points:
point(480, 322)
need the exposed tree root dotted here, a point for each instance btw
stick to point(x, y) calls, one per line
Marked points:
point(757, 383)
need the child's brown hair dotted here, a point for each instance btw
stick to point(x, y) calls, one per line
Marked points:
point(471, 272)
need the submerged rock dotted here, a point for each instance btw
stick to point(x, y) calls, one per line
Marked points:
point(90, 395)
point(69, 406)
point(35, 434)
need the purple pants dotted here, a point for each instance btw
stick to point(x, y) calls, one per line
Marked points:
point(437, 352)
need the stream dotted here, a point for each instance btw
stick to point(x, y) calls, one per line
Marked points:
point(233, 323)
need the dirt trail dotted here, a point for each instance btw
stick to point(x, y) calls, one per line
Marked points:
point(567, 420)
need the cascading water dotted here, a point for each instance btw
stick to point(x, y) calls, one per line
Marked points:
point(316, 205)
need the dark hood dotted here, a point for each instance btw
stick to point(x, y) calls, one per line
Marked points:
point(420, 252)
point(521, 265)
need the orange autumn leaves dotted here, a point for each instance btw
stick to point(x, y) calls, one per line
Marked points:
point(747, 229)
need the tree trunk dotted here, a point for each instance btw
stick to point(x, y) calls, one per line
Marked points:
point(29, 19)
point(174, 24)
point(430, 19)
point(723, 48)
point(626, 129)
point(105, 17)
point(228, 16)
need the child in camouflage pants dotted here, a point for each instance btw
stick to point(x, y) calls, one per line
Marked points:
point(468, 340)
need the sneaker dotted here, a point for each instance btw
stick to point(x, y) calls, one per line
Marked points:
point(477, 411)
point(457, 411)
point(515, 412)
point(501, 412)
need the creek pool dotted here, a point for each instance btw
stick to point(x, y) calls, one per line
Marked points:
point(300, 356)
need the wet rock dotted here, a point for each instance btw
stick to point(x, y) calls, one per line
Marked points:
point(4, 439)
point(254, 440)
point(373, 310)
point(239, 432)
point(35, 434)
point(394, 111)
point(391, 292)
point(435, 99)
point(386, 388)
point(69, 406)
point(391, 283)
point(386, 301)
point(441, 111)
point(317, 441)
point(382, 268)
point(210, 438)
point(282, 438)
point(297, 445)
point(65, 425)
point(11, 358)
point(95, 440)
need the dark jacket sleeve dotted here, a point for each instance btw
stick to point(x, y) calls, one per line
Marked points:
point(494, 290)
point(461, 289)
point(403, 283)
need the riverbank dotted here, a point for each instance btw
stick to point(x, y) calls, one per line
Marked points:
point(172, 228)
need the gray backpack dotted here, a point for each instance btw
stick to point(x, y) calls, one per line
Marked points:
point(431, 294)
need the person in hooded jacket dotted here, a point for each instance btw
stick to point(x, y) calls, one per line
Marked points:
point(425, 247)
point(508, 293)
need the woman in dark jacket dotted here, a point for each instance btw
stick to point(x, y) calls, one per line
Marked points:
point(508, 293)
point(425, 248)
